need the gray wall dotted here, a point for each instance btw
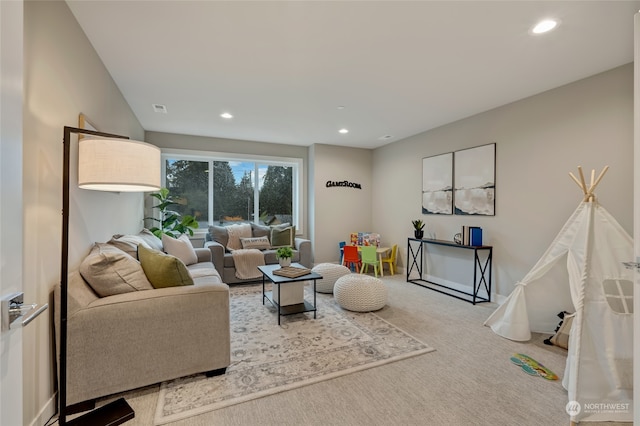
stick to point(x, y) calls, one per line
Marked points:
point(539, 141)
point(338, 211)
point(63, 77)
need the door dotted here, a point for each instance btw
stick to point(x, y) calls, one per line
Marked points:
point(11, 206)
point(636, 219)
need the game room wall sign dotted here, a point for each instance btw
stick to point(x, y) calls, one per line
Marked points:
point(331, 184)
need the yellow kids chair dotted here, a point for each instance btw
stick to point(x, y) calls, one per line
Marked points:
point(391, 260)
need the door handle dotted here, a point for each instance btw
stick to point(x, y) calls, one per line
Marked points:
point(15, 313)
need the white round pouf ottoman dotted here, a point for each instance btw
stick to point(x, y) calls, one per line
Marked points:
point(330, 273)
point(360, 293)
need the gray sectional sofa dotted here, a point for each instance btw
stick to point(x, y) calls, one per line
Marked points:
point(216, 241)
point(142, 336)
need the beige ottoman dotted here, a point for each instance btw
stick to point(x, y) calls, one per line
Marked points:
point(330, 273)
point(360, 293)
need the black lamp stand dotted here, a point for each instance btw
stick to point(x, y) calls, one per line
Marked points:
point(118, 411)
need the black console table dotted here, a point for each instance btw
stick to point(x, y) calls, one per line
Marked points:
point(416, 248)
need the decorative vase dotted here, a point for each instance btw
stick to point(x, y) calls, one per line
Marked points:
point(284, 261)
point(418, 234)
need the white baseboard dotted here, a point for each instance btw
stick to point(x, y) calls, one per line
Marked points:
point(458, 286)
point(499, 299)
point(47, 411)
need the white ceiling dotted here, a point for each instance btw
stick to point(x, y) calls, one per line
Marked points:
point(398, 68)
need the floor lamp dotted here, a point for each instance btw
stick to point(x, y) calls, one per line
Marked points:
point(106, 163)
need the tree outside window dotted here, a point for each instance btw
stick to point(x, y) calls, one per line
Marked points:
point(231, 194)
point(276, 194)
point(187, 182)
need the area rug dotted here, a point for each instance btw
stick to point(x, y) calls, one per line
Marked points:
point(267, 358)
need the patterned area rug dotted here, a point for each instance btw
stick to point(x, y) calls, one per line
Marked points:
point(267, 358)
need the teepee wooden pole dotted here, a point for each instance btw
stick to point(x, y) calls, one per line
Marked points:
point(575, 179)
point(584, 185)
point(588, 192)
point(593, 185)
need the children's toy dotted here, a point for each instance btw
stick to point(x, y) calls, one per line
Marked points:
point(533, 367)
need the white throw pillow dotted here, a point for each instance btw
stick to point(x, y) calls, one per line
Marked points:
point(180, 248)
point(260, 243)
point(236, 232)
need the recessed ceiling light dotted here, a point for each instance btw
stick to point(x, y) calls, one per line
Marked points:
point(544, 26)
point(343, 131)
point(226, 115)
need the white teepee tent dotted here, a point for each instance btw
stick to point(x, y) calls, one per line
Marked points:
point(583, 272)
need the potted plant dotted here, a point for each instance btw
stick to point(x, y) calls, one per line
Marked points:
point(284, 255)
point(171, 222)
point(418, 226)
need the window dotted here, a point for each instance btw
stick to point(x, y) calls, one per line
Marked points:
point(215, 189)
point(619, 294)
point(188, 183)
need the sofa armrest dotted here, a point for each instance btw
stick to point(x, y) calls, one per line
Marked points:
point(204, 254)
point(304, 247)
point(139, 338)
point(217, 254)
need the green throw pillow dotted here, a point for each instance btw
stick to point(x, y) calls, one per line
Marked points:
point(283, 236)
point(163, 270)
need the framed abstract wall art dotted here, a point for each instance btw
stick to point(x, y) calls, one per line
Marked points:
point(475, 177)
point(437, 184)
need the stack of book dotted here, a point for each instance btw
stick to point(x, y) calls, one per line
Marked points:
point(365, 239)
point(471, 236)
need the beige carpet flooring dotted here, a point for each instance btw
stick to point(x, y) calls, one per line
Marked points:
point(468, 380)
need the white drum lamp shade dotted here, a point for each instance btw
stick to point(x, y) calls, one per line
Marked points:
point(118, 165)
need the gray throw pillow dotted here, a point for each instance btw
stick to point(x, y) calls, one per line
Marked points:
point(260, 230)
point(109, 270)
point(128, 244)
point(153, 241)
point(219, 235)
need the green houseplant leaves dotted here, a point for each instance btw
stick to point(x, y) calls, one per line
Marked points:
point(171, 222)
point(284, 253)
